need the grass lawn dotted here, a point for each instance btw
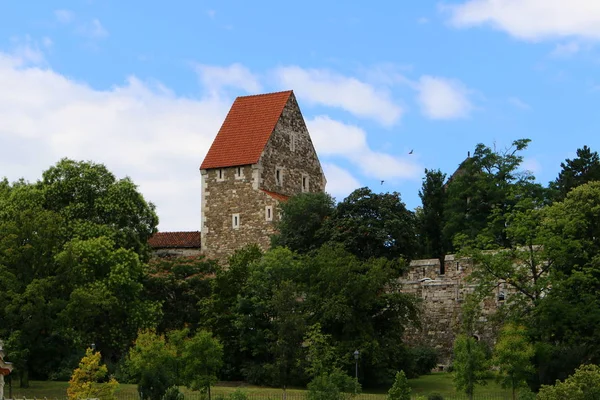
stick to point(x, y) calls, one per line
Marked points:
point(439, 382)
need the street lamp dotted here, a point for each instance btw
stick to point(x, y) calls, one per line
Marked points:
point(356, 354)
point(93, 345)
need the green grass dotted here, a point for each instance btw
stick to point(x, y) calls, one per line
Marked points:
point(439, 382)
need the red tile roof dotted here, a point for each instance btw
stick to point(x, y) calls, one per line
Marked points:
point(161, 240)
point(246, 130)
point(276, 196)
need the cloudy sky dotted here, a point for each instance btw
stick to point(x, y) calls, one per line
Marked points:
point(143, 86)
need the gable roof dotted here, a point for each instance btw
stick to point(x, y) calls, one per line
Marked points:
point(246, 130)
point(162, 240)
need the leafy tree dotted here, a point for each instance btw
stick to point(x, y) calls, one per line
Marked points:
point(400, 390)
point(584, 384)
point(334, 385)
point(301, 227)
point(469, 364)
point(484, 189)
point(431, 217)
point(180, 284)
point(202, 357)
point(85, 381)
point(512, 355)
point(151, 363)
point(374, 225)
point(576, 172)
point(320, 354)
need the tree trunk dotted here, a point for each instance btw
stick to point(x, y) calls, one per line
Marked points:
point(24, 378)
point(209, 392)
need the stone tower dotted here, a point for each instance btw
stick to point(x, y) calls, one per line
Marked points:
point(261, 155)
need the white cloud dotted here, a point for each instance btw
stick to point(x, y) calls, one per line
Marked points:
point(64, 16)
point(136, 129)
point(323, 87)
point(531, 19)
point(566, 49)
point(517, 102)
point(442, 98)
point(234, 76)
point(333, 138)
point(95, 30)
point(340, 182)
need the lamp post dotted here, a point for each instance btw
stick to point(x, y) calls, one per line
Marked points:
point(356, 354)
point(93, 346)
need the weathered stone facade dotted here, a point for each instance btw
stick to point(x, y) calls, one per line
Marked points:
point(442, 293)
point(240, 202)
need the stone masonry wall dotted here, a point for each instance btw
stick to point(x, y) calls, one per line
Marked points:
point(294, 163)
point(442, 296)
point(234, 195)
point(176, 252)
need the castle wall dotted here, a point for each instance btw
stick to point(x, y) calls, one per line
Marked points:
point(441, 299)
point(293, 161)
point(222, 198)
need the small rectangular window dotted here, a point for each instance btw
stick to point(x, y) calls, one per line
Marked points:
point(220, 174)
point(269, 213)
point(279, 176)
point(305, 183)
point(235, 221)
point(239, 173)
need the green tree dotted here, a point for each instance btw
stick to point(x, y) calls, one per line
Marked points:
point(469, 364)
point(301, 227)
point(371, 225)
point(584, 384)
point(202, 357)
point(86, 380)
point(151, 363)
point(431, 218)
point(333, 385)
point(483, 190)
point(400, 390)
point(513, 355)
point(576, 172)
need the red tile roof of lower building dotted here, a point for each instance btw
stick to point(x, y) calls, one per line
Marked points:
point(246, 130)
point(162, 240)
point(277, 196)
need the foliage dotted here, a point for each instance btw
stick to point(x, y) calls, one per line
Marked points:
point(238, 394)
point(435, 396)
point(301, 227)
point(85, 381)
point(469, 364)
point(334, 385)
point(423, 360)
point(584, 384)
point(582, 169)
point(173, 393)
point(151, 363)
point(374, 225)
point(400, 390)
point(202, 357)
point(431, 219)
point(483, 190)
point(512, 355)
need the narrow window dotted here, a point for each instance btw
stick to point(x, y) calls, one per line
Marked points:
point(235, 221)
point(292, 141)
point(269, 213)
point(442, 268)
point(239, 173)
point(220, 174)
point(305, 183)
point(279, 176)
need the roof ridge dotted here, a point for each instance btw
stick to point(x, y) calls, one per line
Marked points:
point(265, 94)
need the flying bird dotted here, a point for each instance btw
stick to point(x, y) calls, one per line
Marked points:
point(382, 182)
point(410, 152)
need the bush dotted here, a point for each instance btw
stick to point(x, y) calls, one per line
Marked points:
point(400, 390)
point(332, 386)
point(423, 360)
point(173, 393)
point(435, 396)
point(238, 395)
point(584, 384)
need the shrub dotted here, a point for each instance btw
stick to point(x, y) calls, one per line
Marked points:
point(173, 393)
point(423, 360)
point(238, 395)
point(435, 396)
point(400, 390)
point(584, 384)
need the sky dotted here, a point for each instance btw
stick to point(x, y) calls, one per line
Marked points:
point(143, 86)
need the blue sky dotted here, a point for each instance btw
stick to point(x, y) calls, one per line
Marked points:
point(144, 86)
